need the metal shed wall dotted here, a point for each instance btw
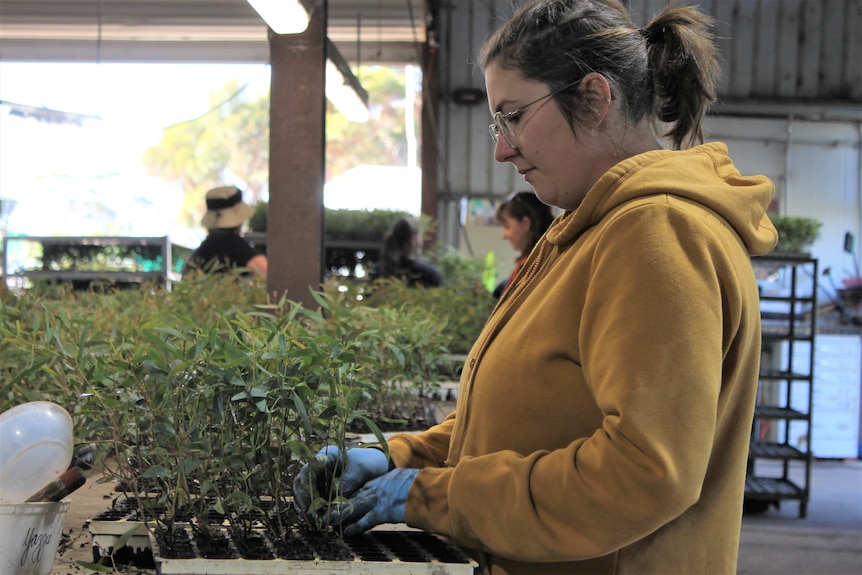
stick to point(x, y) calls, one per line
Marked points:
point(794, 65)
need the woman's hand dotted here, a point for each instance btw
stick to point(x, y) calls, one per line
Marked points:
point(352, 468)
point(381, 500)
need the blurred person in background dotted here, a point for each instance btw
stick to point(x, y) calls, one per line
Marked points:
point(402, 243)
point(524, 219)
point(224, 249)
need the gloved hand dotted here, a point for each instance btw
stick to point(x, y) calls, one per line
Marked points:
point(352, 468)
point(381, 500)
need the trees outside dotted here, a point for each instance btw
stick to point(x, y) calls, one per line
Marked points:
point(230, 143)
point(383, 140)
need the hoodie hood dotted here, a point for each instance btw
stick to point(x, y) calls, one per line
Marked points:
point(704, 174)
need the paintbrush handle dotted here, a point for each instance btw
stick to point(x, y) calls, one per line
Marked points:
point(66, 483)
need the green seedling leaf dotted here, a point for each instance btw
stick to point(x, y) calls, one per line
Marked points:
point(206, 487)
point(95, 567)
point(321, 301)
point(25, 373)
point(299, 406)
point(155, 471)
point(259, 391)
point(123, 539)
point(170, 331)
point(190, 465)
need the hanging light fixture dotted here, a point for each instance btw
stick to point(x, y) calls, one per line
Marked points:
point(283, 16)
point(343, 88)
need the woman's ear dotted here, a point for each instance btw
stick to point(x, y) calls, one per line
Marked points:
point(595, 90)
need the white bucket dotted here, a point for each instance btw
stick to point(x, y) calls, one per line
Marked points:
point(30, 535)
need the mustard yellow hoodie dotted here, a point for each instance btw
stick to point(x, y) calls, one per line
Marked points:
point(604, 413)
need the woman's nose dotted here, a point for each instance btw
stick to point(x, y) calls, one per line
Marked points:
point(503, 150)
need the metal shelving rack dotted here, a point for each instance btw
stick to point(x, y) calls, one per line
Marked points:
point(781, 431)
point(25, 260)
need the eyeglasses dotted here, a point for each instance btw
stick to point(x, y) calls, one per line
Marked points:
point(501, 124)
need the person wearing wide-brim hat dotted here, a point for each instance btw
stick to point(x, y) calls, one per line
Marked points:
point(224, 248)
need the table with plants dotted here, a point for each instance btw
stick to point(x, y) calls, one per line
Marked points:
point(202, 402)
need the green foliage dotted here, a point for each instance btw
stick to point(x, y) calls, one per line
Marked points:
point(359, 225)
point(342, 225)
point(409, 346)
point(257, 221)
point(795, 234)
point(465, 301)
point(209, 397)
point(67, 254)
point(461, 306)
point(230, 143)
point(345, 225)
point(382, 140)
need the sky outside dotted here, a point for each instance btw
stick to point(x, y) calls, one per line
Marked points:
point(90, 180)
point(71, 180)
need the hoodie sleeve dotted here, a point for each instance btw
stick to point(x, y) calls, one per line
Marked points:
point(426, 449)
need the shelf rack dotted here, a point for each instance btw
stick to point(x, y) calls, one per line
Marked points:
point(781, 431)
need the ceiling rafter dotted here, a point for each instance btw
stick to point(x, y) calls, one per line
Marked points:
point(194, 30)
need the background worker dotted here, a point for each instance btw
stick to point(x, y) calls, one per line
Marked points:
point(604, 413)
point(224, 249)
point(402, 243)
point(524, 219)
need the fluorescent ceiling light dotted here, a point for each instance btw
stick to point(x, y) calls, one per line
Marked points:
point(283, 16)
point(343, 96)
point(343, 88)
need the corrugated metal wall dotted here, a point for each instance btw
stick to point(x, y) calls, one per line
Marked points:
point(782, 59)
point(801, 50)
point(789, 52)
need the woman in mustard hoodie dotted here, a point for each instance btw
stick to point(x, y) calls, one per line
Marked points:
point(604, 413)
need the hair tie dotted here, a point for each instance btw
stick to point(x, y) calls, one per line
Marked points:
point(652, 36)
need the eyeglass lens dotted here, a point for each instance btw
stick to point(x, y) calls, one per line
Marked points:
point(501, 126)
point(501, 120)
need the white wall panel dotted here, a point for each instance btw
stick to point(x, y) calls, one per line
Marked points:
point(816, 169)
point(457, 136)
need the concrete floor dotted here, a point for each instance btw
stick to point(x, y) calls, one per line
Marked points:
point(777, 542)
point(828, 541)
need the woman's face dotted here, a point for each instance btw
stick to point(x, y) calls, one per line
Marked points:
point(517, 231)
point(558, 165)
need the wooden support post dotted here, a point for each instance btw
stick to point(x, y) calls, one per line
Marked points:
point(296, 161)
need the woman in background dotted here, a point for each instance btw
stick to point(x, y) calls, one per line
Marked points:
point(524, 219)
point(398, 257)
point(224, 249)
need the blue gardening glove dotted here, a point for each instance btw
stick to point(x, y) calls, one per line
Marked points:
point(352, 469)
point(381, 500)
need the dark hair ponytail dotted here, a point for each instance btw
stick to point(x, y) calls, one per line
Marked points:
point(685, 67)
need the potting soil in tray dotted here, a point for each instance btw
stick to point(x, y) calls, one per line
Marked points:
point(378, 552)
point(408, 546)
point(191, 547)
